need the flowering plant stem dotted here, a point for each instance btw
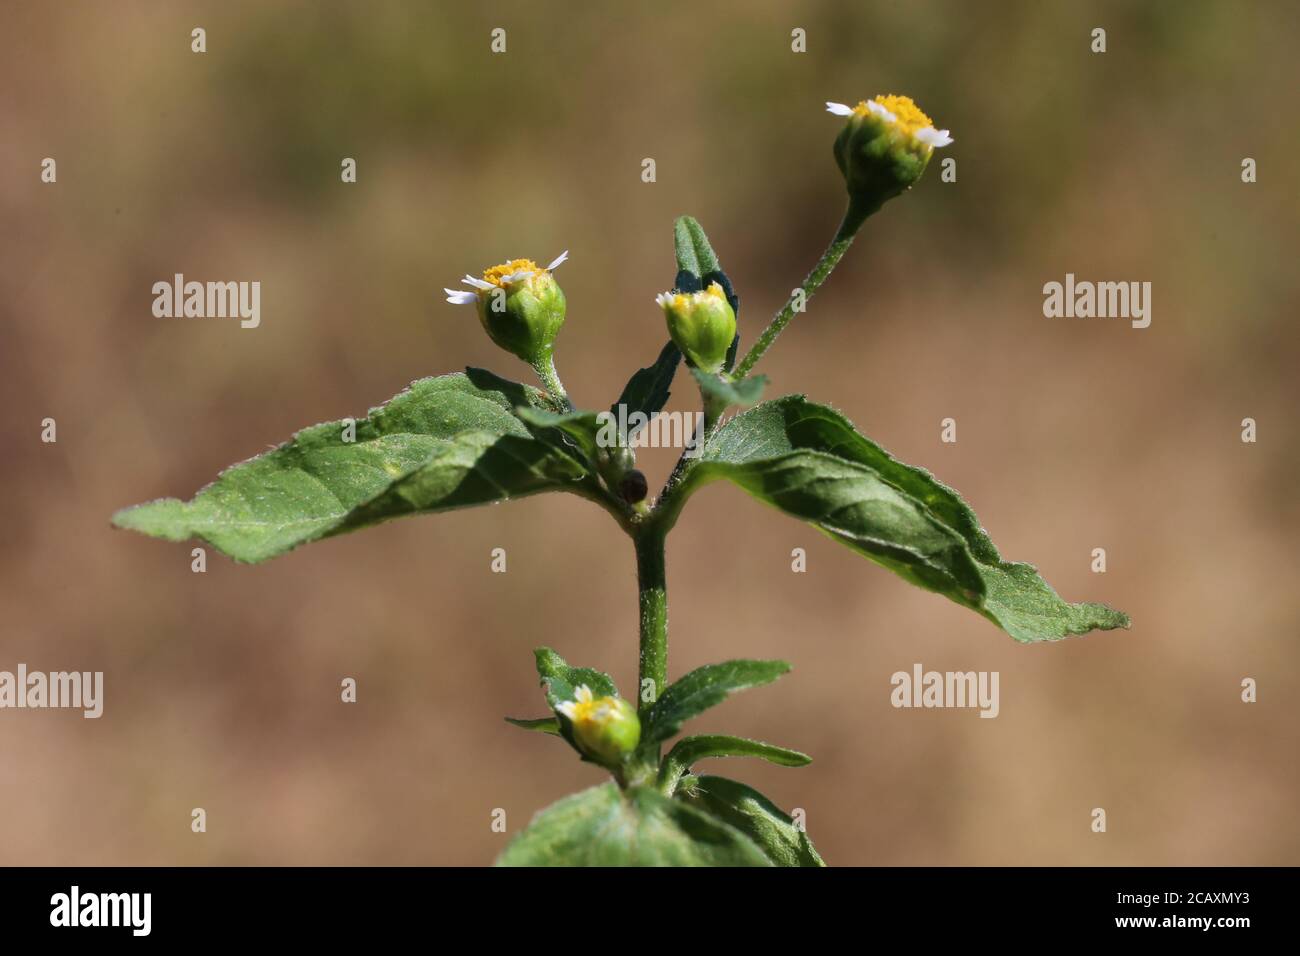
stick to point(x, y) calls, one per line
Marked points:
point(652, 587)
point(854, 216)
point(473, 438)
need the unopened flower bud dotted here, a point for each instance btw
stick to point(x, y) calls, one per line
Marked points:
point(701, 324)
point(520, 305)
point(606, 728)
point(884, 147)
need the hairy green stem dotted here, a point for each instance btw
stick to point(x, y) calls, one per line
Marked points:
point(854, 216)
point(652, 587)
point(545, 369)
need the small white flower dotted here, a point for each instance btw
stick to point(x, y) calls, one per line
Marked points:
point(582, 702)
point(898, 111)
point(506, 274)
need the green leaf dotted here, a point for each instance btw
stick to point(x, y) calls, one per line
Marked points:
point(687, 751)
point(604, 826)
point(446, 442)
point(756, 816)
point(745, 392)
point(810, 462)
point(694, 253)
point(545, 725)
point(559, 680)
point(647, 390)
point(701, 689)
point(580, 428)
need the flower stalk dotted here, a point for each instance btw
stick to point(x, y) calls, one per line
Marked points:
point(652, 590)
point(854, 216)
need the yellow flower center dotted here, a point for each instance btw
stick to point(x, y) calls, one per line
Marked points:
point(593, 711)
point(908, 116)
point(497, 273)
point(682, 301)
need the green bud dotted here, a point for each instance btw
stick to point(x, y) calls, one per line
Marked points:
point(607, 729)
point(520, 306)
point(701, 324)
point(884, 147)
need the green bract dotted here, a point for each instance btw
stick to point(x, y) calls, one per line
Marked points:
point(475, 438)
point(524, 317)
point(883, 149)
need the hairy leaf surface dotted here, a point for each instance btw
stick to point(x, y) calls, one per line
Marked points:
point(604, 826)
point(701, 689)
point(756, 816)
point(446, 442)
point(810, 462)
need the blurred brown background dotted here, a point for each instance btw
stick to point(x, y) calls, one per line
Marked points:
point(222, 689)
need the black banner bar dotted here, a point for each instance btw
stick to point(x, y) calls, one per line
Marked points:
point(209, 905)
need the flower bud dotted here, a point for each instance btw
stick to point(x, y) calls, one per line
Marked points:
point(701, 324)
point(884, 147)
point(606, 729)
point(520, 305)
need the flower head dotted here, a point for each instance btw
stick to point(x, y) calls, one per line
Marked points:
point(901, 113)
point(701, 324)
point(884, 147)
point(606, 728)
point(520, 305)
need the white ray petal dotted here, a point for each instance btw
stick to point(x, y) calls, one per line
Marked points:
point(477, 283)
point(516, 276)
point(881, 111)
point(558, 260)
point(933, 137)
point(460, 296)
point(568, 708)
point(839, 109)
